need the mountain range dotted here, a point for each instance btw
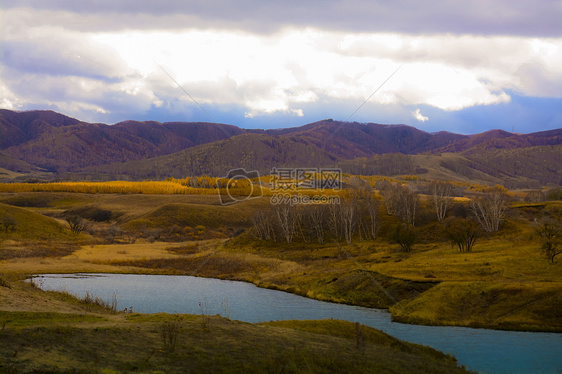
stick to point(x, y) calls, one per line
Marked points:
point(53, 144)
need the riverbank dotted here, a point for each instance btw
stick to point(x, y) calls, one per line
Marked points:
point(54, 332)
point(504, 282)
point(453, 296)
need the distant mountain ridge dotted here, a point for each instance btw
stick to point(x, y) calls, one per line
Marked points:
point(59, 143)
point(54, 142)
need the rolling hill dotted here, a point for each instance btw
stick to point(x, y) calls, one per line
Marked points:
point(59, 143)
point(141, 150)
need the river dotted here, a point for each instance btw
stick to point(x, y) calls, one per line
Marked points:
point(482, 350)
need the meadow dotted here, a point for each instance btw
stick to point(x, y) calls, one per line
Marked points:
point(504, 282)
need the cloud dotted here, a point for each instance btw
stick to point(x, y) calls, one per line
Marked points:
point(419, 116)
point(59, 55)
point(278, 72)
point(294, 59)
point(483, 17)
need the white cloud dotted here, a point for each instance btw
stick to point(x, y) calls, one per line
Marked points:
point(297, 112)
point(417, 115)
point(50, 59)
point(8, 99)
point(6, 104)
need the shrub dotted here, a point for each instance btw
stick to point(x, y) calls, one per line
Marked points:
point(76, 224)
point(405, 236)
point(550, 232)
point(170, 331)
point(9, 223)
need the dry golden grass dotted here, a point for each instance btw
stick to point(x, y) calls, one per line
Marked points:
point(37, 265)
point(507, 259)
point(121, 252)
point(514, 305)
point(99, 258)
point(56, 342)
point(490, 260)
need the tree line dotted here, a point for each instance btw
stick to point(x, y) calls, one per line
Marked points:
point(357, 216)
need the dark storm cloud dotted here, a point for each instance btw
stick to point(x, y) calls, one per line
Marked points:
point(485, 17)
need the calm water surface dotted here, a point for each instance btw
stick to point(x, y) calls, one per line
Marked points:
point(482, 350)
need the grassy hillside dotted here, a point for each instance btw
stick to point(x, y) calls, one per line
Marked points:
point(14, 165)
point(52, 332)
point(481, 304)
point(250, 151)
point(202, 345)
point(192, 215)
point(505, 281)
point(32, 226)
point(514, 168)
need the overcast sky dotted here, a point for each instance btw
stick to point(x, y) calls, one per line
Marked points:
point(461, 66)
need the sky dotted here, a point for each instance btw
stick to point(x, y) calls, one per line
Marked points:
point(439, 65)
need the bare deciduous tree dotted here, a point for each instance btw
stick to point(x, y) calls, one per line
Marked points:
point(463, 233)
point(550, 232)
point(387, 191)
point(348, 211)
point(263, 227)
point(441, 195)
point(535, 196)
point(316, 217)
point(400, 201)
point(334, 214)
point(368, 212)
point(287, 220)
point(408, 205)
point(489, 209)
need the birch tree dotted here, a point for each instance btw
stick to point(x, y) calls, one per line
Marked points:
point(287, 220)
point(372, 207)
point(348, 214)
point(334, 219)
point(441, 196)
point(316, 217)
point(263, 226)
point(400, 201)
point(489, 209)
